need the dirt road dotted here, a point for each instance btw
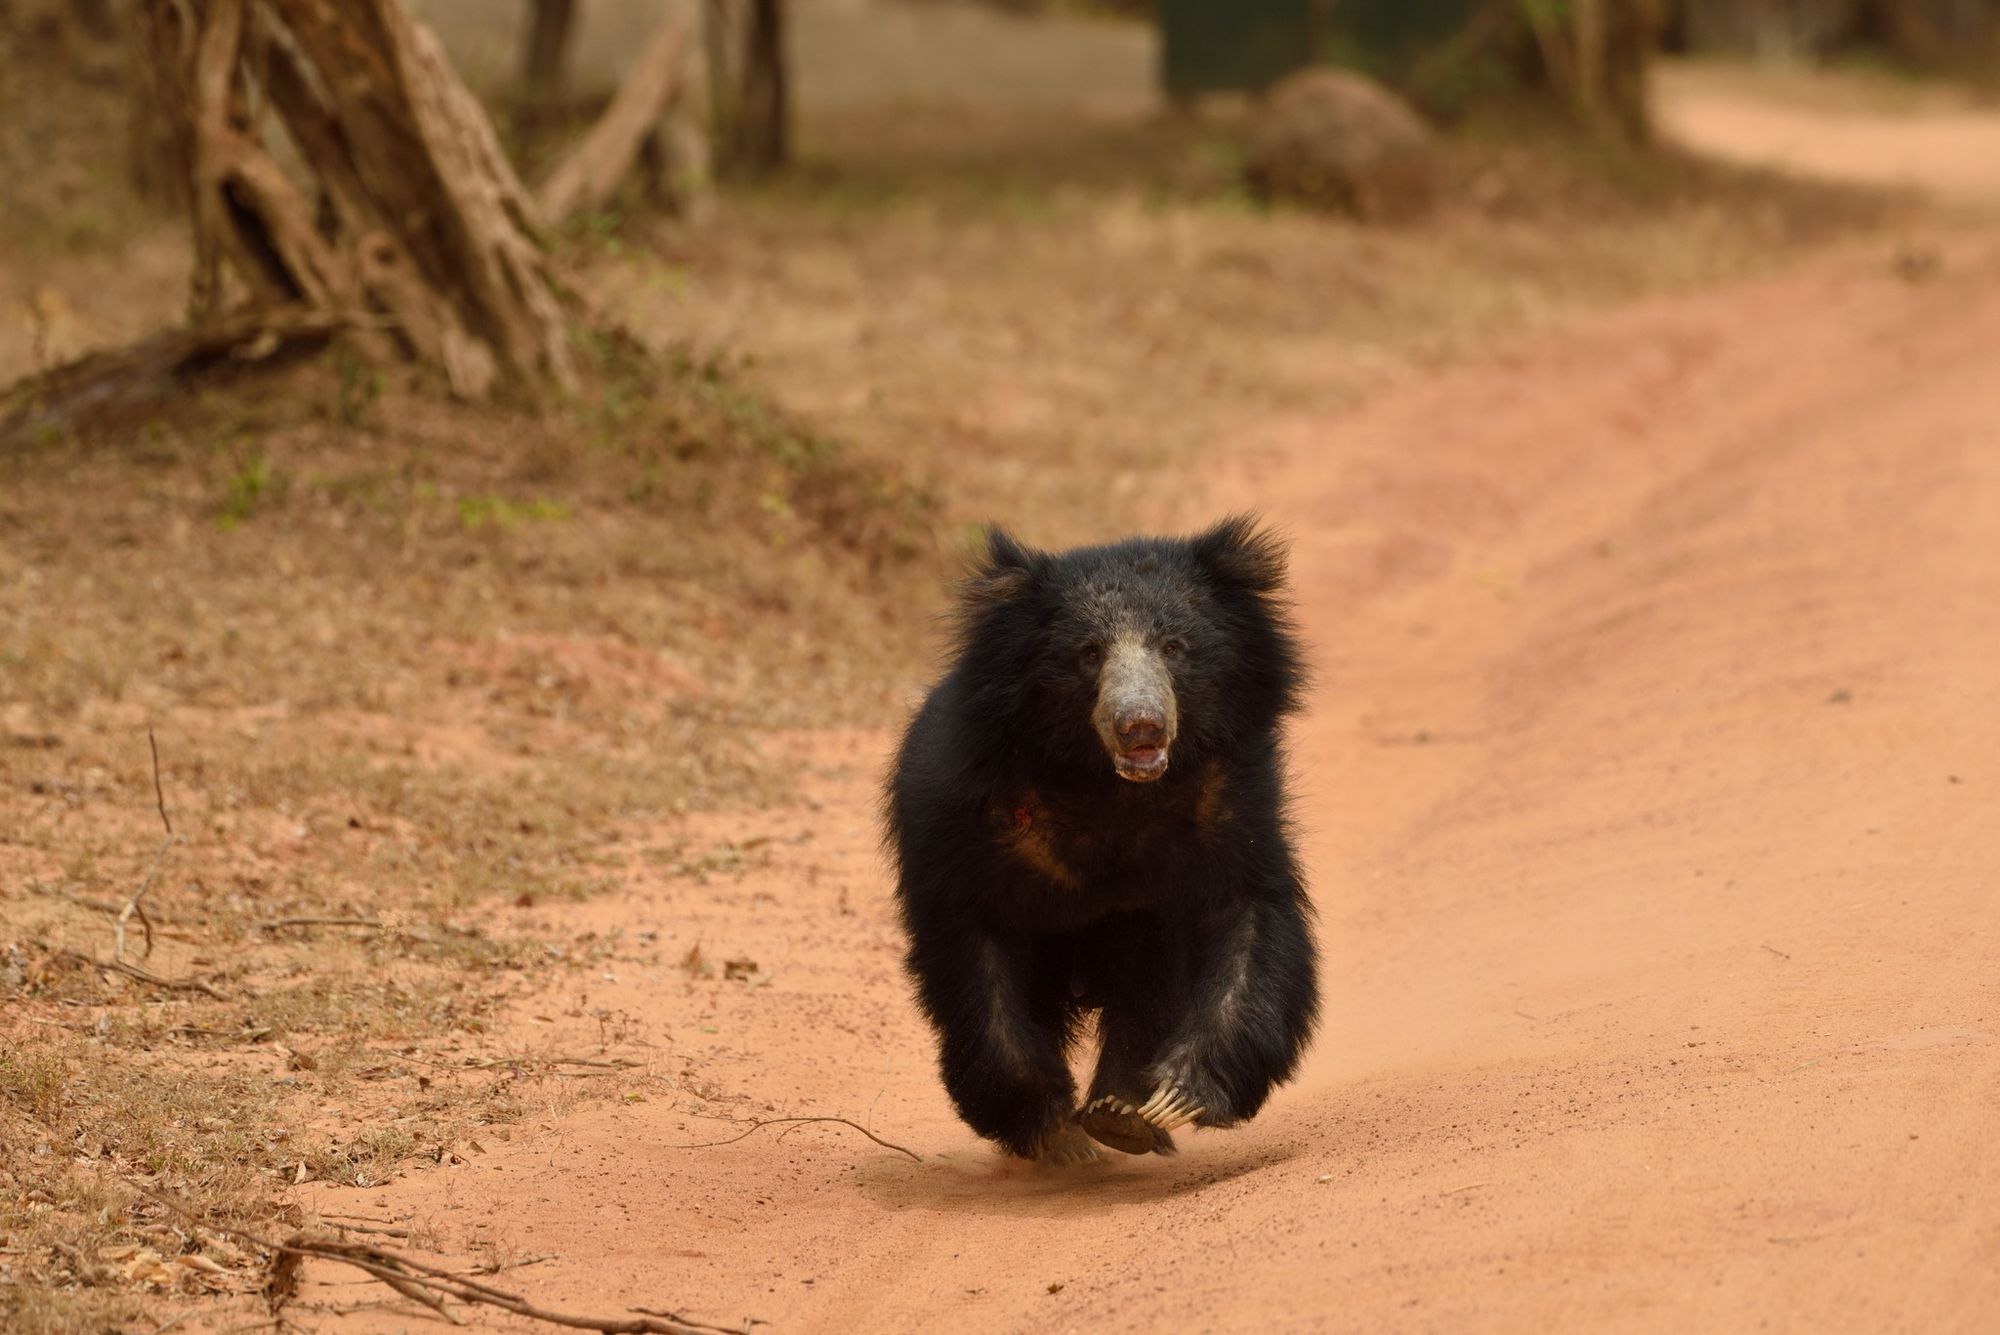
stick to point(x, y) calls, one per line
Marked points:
point(1842, 127)
point(1650, 787)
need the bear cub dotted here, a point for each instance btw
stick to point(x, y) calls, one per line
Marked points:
point(1088, 814)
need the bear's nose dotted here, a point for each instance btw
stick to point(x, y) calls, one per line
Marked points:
point(1140, 726)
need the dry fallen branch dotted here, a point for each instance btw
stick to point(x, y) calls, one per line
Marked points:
point(490, 1063)
point(403, 1233)
point(160, 921)
point(280, 924)
point(146, 976)
point(136, 903)
point(762, 1122)
point(432, 1286)
point(409, 934)
point(495, 1267)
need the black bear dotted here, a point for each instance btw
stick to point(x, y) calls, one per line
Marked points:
point(1088, 813)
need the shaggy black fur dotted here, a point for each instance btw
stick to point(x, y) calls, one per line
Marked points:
point(1037, 883)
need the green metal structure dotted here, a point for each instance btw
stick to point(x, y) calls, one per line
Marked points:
point(1218, 46)
point(1213, 46)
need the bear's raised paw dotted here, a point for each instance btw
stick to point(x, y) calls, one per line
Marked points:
point(1112, 1121)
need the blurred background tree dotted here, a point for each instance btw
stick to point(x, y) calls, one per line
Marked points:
point(749, 85)
point(545, 50)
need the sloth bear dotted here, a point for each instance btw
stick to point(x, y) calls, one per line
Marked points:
point(1088, 813)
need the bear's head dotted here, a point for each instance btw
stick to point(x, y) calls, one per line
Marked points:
point(1126, 658)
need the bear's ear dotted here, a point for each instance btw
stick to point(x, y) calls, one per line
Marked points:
point(1005, 572)
point(1239, 553)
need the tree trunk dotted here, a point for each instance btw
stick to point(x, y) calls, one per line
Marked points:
point(749, 85)
point(545, 58)
point(764, 133)
point(420, 229)
point(1594, 53)
point(159, 134)
point(1630, 33)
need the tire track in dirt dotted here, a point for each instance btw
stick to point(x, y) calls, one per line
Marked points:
point(1649, 797)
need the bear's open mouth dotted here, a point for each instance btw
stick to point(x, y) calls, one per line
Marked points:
point(1141, 764)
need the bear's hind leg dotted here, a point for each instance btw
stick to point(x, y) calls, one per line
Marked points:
point(1004, 1016)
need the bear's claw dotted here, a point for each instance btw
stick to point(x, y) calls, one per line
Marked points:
point(1169, 1107)
point(1111, 1121)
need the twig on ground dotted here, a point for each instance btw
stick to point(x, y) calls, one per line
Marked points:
point(160, 922)
point(368, 1228)
point(488, 1063)
point(672, 1315)
point(605, 1067)
point(135, 904)
point(431, 1285)
point(365, 924)
point(760, 1123)
point(495, 1267)
point(146, 976)
point(254, 1035)
point(159, 793)
point(365, 1218)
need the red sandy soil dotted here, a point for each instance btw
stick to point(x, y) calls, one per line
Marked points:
point(1649, 796)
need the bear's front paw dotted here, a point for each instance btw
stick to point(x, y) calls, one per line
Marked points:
point(1170, 1106)
point(1112, 1121)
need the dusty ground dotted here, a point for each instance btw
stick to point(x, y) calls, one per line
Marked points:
point(1648, 788)
point(1645, 788)
point(1643, 784)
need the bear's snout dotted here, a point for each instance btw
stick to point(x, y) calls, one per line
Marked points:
point(1142, 726)
point(1135, 714)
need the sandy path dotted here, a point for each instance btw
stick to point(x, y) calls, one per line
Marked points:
point(1650, 780)
point(1836, 128)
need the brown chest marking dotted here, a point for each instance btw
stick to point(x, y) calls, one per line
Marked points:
point(1211, 809)
point(1027, 837)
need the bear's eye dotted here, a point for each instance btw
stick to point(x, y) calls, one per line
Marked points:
point(1090, 658)
point(1171, 647)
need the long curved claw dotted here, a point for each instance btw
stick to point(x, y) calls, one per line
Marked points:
point(1170, 1107)
point(1116, 1123)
